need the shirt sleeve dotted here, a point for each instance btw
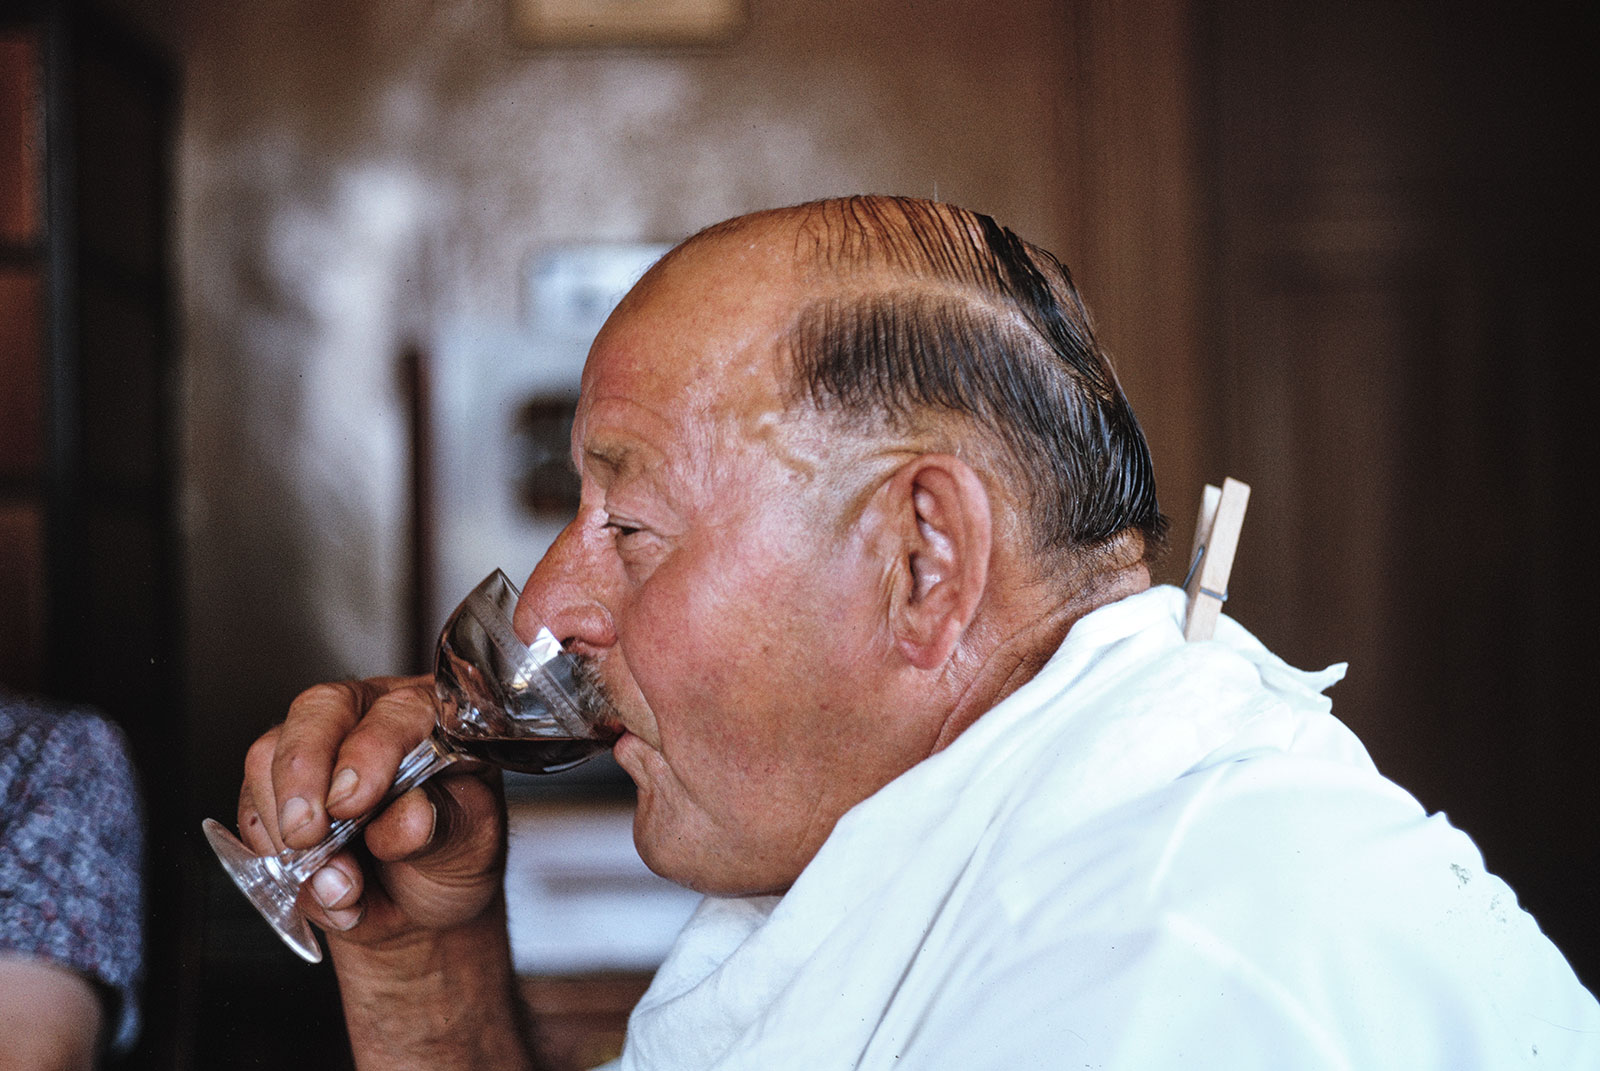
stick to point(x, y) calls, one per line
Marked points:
point(71, 851)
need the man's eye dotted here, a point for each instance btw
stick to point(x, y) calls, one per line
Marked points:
point(620, 530)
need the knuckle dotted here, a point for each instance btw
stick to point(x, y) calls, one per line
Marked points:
point(329, 694)
point(262, 750)
point(407, 695)
point(291, 764)
point(403, 708)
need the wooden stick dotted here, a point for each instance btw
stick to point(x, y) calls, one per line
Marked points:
point(1216, 538)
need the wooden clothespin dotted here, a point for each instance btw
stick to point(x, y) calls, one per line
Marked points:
point(1216, 537)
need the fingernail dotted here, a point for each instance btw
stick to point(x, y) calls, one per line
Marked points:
point(296, 813)
point(344, 784)
point(329, 886)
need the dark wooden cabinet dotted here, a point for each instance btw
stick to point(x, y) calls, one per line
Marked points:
point(24, 479)
point(1346, 253)
point(1399, 284)
point(89, 581)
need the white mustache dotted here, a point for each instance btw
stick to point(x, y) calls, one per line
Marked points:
point(594, 697)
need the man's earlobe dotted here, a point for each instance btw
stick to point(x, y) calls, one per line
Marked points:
point(947, 530)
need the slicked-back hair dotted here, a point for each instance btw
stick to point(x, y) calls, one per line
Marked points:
point(943, 311)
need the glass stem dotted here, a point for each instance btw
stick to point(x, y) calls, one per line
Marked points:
point(421, 763)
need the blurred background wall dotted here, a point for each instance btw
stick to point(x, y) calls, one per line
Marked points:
point(1344, 255)
point(351, 175)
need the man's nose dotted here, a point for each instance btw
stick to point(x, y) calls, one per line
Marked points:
point(565, 594)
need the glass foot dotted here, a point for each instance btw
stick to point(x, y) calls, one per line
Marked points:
point(261, 879)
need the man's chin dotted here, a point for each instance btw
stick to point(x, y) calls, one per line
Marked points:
point(647, 843)
point(673, 857)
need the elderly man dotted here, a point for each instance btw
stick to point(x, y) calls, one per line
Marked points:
point(861, 565)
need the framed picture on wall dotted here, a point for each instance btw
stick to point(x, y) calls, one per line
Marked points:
point(627, 22)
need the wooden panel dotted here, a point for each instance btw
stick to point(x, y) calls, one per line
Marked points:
point(1136, 220)
point(22, 595)
point(21, 376)
point(120, 385)
point(611, 22)
point(120, 168)
point(1327, 279)
point(124, 646)
point(21, 146)
point(582, 1020)
point(1403, 254)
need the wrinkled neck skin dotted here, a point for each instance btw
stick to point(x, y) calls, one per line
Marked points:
point(1011, 641)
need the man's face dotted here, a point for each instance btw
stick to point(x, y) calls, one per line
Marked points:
point(720, 578)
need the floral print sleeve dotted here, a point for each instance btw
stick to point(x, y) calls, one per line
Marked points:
point(71, 850)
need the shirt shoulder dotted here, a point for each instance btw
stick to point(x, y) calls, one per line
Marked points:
point(1295, 901)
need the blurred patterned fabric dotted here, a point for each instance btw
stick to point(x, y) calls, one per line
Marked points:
point(71, 850)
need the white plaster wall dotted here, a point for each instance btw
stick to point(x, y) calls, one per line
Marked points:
point(353, 173)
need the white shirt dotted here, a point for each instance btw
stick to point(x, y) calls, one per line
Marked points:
point(1154, 854)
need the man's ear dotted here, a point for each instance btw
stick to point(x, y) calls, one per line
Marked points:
point(940, 511)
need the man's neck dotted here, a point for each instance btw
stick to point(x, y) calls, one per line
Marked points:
point(1022, 650)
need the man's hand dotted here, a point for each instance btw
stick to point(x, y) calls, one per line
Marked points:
point(437, 853)
point(418, 936)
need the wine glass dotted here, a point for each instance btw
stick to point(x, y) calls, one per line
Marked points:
point(502, 701)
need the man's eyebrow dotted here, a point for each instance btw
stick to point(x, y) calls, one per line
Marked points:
point(613, 458)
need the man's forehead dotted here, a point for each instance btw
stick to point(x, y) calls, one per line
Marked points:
point(696, 363)
point(708, 323)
